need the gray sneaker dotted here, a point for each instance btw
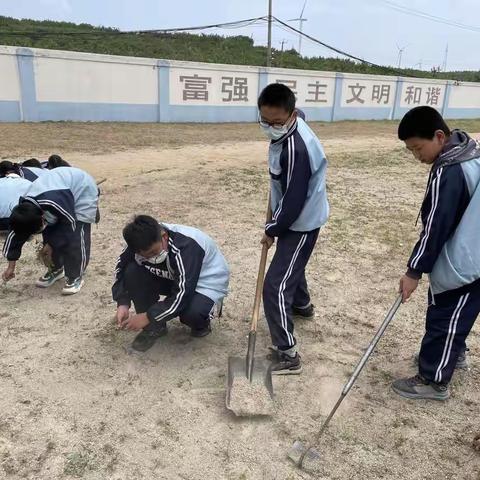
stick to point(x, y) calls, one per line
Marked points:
point(418, 388)
point(283, 364)
point(462, 361)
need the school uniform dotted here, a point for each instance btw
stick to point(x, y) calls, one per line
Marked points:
point(68, 198)
point(297, 166)
point(11, 189)
point(193, 278)
point(32, 173)
point(449, 252)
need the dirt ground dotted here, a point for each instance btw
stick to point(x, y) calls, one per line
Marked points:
point(73, 404)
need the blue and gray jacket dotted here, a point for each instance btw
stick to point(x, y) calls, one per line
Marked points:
point(66, 195)
point(449, 245)
point(32, 173)
point(11, 189)
point(194, 264)
point(298, 167)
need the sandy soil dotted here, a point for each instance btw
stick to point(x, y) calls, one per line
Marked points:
point(73, 404)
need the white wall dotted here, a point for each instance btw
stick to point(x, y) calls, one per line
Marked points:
point(38, 85)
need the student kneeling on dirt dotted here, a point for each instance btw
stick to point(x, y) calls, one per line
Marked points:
point(62, 206)
point(178, 262)
point(448, 249)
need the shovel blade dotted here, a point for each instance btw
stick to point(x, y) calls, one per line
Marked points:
point(303, 456)
point(245, 398)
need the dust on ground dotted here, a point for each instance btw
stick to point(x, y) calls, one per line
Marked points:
point(73, 404)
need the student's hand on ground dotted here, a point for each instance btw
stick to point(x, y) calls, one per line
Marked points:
point(407, 287)
point(123, 311)
point(136, 322)
point(268, 241)
point(8, 274)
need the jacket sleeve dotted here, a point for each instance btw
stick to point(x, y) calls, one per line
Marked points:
point(296, 173)
point(119, 291)
point(12, 248)
point(187, 264)
point(443, 207)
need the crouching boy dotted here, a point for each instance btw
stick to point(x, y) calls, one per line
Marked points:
point(178, 262)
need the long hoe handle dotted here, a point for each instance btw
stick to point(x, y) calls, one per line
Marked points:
point(358, 369)
point(256, 305)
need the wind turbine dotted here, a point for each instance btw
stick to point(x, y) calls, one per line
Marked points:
point(400, 53)
point(300, 21)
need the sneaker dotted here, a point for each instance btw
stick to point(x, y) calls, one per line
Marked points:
point(307, 313)
point(202, 332)
point(50, 278)
point(418, 388)
point(283, 364)
point(462, 361)
point(146, 339)
point(72, 286)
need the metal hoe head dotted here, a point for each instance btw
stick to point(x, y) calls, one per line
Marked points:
point(303, 455)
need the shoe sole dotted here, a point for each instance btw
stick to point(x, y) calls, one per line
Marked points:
point(201, 335)
point(296, 371)
point(43, 285)
point(66, 293)
point(302, 317)
point(415, 396)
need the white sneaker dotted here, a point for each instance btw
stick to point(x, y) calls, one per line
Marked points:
point(50, 278)
point(72, 286)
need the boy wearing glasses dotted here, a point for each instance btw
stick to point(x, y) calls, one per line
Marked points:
point(299, 204)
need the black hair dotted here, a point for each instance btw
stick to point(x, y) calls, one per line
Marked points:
point(277, 95)
point(422, 122)
point(8, 167)
point(32, 162)
point(142, 233)
point(26, 219)
point(55, 161)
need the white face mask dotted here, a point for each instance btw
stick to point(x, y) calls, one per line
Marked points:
point(274, 133)
point(159, 258)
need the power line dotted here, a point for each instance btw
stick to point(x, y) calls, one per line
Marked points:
point(227, 25)
point(427, 16)
point(341, 52)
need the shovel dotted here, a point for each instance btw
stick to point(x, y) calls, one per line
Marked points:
point(301, 453)
point(249, 380)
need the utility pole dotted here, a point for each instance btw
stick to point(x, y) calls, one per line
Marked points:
point(269, 44)
point(444, 66)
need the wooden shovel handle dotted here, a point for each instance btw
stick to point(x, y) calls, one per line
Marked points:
point(261, 276)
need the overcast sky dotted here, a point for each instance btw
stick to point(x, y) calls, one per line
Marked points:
point(371, 29)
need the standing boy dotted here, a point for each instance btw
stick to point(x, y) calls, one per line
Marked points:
point(299, 204)
point(448, 249)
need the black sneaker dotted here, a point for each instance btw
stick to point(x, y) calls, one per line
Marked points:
point(201, 332)
point(146, 339)
point(283, 364)
point(307, 313)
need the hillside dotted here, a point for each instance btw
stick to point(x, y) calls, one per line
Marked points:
point(181, 46)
